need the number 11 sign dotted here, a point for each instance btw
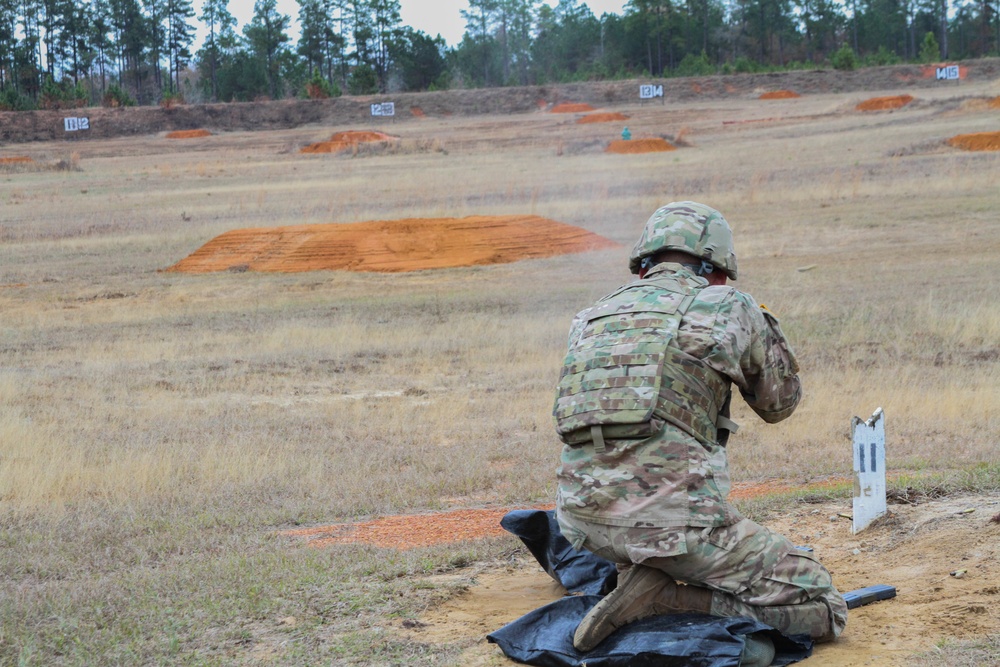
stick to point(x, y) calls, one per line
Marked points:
point(869, 469)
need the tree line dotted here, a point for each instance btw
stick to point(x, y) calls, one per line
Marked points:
point(65, 53)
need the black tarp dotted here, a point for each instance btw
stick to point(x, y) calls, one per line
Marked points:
point(577, 571)
point(544, 637)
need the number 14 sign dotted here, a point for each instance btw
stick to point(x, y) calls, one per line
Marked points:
point(649, 91)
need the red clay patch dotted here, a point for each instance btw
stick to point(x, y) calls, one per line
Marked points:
point(884, 103)
point(979, 141)
point(779, 95)
point(391, 246)
point(188, 134)
point(424, 530)
point(342, 141)
point(639, 146)
point(601, 117)
point(16, 159)
point(417, 112)
point(568, 107)
point(409, 532)
point(995, 103)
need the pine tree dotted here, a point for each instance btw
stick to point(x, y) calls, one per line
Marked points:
point(221, 34)
point(180, 35)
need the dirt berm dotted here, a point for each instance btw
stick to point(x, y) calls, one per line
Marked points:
point(23, 126)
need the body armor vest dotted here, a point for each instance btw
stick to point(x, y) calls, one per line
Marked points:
point(624, 375)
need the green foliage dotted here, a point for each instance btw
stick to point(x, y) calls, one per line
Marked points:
point(267, 38)
point(881, 57)
point(692, 65)
point(744, 65)
point(362, 81)
point(930, 50)
point(318, 88)
point(844, 59)
point(171, 98)
point(115, 96)
point(241, 77)
point(419, 60)
point(11, 100)
point(62, 95)
point(507, 42)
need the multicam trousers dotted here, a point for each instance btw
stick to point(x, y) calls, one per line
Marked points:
point(751, 570)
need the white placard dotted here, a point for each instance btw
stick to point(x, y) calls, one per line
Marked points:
point(649, 91)
point(869, 469)
point(948, 73)
point(75, 124)
point(384, 109)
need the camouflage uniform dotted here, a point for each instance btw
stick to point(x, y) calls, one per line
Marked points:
point(643, 410)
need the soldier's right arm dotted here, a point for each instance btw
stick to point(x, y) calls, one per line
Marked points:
point(774, 389)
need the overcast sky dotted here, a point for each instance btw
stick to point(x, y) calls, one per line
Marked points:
point(430, 16)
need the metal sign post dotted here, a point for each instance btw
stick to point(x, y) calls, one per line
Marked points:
point(869, 469)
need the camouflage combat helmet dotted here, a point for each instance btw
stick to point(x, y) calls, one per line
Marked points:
point(689, 227)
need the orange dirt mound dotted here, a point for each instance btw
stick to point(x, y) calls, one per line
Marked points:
point(601, 117)
point(995, 103)
point(779, 95)
point(417, 112)
point(883, 103)
point(567, 107)
point(980, 141)
point(17, 159)
point(391, 246)
point(188, 134)
point(640, 146)
point(344, 140)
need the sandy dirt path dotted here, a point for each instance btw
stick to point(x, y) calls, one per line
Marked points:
point(915, 548)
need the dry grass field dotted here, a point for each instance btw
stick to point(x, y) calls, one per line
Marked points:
point(159, 431)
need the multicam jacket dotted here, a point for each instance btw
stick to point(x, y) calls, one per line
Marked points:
point(643, 401)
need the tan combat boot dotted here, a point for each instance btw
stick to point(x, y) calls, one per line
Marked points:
point(642, 591)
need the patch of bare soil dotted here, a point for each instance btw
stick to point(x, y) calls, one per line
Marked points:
point(995, 103)
point(188, 134)
point(630, 146)
point(602, 118)
point(424, 530)
point(979, 141)
point(943, 559)
point(26, 126)
point(342, 141)
point(779, 95)
point(16, 159)
point(417, 112)
point(391, 246)
point(571, 107)
point(410, 531)
point(884, 103)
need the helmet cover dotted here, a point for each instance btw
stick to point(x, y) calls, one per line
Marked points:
point(689, 227)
